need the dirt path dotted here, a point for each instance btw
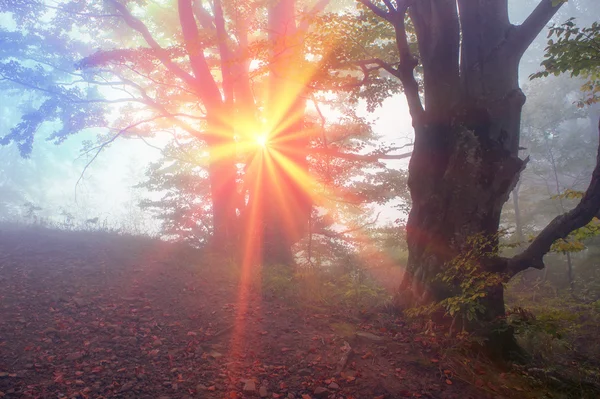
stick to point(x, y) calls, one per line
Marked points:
point(90, 315)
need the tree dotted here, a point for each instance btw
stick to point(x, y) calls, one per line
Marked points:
point(217, 72)
point(465, 160)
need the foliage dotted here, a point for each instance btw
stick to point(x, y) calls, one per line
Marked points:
point(577, 51)
point(467, 281)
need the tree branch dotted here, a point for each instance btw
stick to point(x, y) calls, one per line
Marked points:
point(406, 68)
point(207, 87)
point(161, 54)
point(536, 21)
point(376, 10)
point(225, 54)
point(304, 23)
point(358, 157)
point(560, 227)
point(100, 147)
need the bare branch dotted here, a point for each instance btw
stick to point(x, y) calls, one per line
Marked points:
point(341, 234)
point(359, 157)
point(380, 64)
point(536, 21)
point(406, 69)
point(108, 142)
point(376, 10)
point(560, 227)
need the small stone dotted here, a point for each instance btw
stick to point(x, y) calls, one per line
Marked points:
point(156, 343)
point(250, 387)
point(321, 392)
point(262, 391)
point(333, 385)
point(201, 387)
point(304, 372)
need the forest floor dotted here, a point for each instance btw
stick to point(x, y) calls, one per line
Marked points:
point(93, 315)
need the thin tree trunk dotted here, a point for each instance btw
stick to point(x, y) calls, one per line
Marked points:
point(518, 223)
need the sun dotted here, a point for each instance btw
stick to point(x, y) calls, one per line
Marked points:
point(262, 140)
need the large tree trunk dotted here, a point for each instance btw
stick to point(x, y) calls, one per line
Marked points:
point(224, 198)
point(285, 203)
point(465, 159)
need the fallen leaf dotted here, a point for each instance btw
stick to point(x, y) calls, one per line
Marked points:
point(449, 382)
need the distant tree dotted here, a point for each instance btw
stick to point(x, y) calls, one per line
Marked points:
point(224, 74)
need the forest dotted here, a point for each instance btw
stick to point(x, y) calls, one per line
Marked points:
point(303, 199)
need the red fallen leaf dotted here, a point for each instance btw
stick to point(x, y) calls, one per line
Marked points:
point(121, 370)
point(435, 361)
point(211, 388)
point(276, 395)
point(379, 397)
point(263, 333)
point(449, 382)
point(192, 334)
point(447, 372)
point(350, 378)
point(97, 369)
point(282, 385)
point(285, 349)
point(306, 396)
point(78, 373)
point(233, 395)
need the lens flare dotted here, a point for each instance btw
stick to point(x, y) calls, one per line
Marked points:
point(262, 140)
